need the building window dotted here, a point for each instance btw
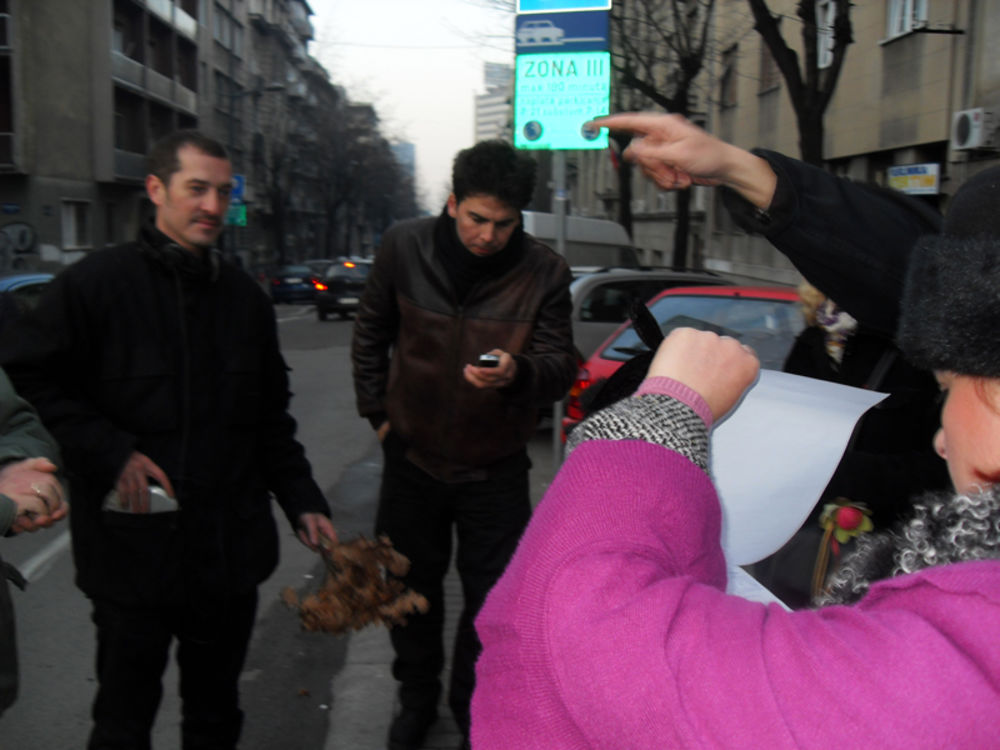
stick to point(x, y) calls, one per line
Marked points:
point(904, 16)
point(75, 224)
point(727, 81)
point(110, 224)
point(826, 12)
point(227, 31)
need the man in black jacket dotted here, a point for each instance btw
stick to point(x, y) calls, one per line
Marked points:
point(442, 292)
point(154, 363)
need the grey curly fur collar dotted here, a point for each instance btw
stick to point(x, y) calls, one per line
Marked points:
point(944, 528)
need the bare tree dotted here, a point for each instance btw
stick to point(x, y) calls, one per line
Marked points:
point(658, 51)
point(811, 84)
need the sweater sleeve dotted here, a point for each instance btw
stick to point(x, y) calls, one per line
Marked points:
point(611, 628)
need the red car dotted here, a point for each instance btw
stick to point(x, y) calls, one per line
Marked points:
point(766, 318)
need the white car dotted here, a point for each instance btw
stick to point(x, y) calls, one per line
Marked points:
point(539, 32)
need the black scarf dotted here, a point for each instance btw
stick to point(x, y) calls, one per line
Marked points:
point(465, 269)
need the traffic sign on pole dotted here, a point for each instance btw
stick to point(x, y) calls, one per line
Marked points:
point(239, 187)
point(560, 6)
point(556, 95)
point(236, 215)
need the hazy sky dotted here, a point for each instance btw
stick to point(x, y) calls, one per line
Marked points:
point(420, 62)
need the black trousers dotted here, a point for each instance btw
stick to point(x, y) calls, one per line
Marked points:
point(132, 649)
point(419, 514)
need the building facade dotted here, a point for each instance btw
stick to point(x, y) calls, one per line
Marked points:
point(916, 108)
point(493, 110)
point(75, 126)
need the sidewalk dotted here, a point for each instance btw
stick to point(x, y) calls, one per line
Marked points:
point(364, 693)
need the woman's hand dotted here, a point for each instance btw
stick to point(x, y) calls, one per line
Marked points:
point(718, 368)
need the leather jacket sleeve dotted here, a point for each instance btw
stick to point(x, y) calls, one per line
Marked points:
point(376, 325)
point(547, 367)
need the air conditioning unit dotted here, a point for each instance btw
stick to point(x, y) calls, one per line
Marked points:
point(972, 129)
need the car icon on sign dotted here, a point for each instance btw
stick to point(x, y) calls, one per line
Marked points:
point(539, 32)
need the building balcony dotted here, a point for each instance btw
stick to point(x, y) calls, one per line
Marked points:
point(162, 8)
point(159, 85)
point(185, 24)
point(303, 28)
point(140, 78)
point(185, 99)
point(172, 15)
point(130, 165)
point(127, 70)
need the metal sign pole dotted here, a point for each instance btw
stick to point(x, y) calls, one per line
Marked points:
point(559, 201)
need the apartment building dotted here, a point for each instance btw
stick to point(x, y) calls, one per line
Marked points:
point(493, 110)
point(915, 108)
point(86, 86)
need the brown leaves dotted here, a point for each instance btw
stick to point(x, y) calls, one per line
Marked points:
point(361, 588)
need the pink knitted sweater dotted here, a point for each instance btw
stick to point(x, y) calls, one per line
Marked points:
point(611, 628)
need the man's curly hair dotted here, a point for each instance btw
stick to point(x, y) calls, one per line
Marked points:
point(943, 529)
point(497, 169)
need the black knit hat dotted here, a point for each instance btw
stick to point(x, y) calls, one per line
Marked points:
point(950, 313)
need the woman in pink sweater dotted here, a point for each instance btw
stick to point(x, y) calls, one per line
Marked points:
point(611, 628)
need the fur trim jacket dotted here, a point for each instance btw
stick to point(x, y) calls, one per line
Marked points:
point(611, 628)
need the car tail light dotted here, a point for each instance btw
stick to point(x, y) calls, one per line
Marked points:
point(320, 286)
point(276, 282)
point(349, 264)
point(574, 410)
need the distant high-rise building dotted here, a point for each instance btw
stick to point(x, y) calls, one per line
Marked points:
point(406, 156)
point(493, 108)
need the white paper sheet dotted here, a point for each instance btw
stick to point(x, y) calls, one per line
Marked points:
point(773, 455)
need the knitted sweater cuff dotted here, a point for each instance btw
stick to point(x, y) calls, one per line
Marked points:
point(685, 394)
point(653, 417)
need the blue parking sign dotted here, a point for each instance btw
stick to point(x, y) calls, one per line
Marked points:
point(558, 6)
point(239, 186)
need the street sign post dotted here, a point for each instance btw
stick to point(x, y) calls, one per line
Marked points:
point(561, 32)
point(556, 95)
point(236, 215)
point(239, 188)
point(560, 6)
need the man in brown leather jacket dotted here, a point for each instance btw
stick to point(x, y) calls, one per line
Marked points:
point(442, 292)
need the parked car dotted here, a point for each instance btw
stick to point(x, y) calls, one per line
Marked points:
point(601, 300)
point(319, 266)
point(341, 287)
point(20, 292)
point(293, 284)
point(765, 318)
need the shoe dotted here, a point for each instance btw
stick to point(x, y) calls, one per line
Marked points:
point(410, 727)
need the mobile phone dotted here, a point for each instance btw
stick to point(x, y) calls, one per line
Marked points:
point(159, 501)
point(489, 360)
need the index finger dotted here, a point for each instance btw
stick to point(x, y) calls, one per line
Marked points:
point(637, 122)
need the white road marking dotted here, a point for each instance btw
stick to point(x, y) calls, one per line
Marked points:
point(42, 561)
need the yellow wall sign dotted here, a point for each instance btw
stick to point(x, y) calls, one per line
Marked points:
point(916, 179)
